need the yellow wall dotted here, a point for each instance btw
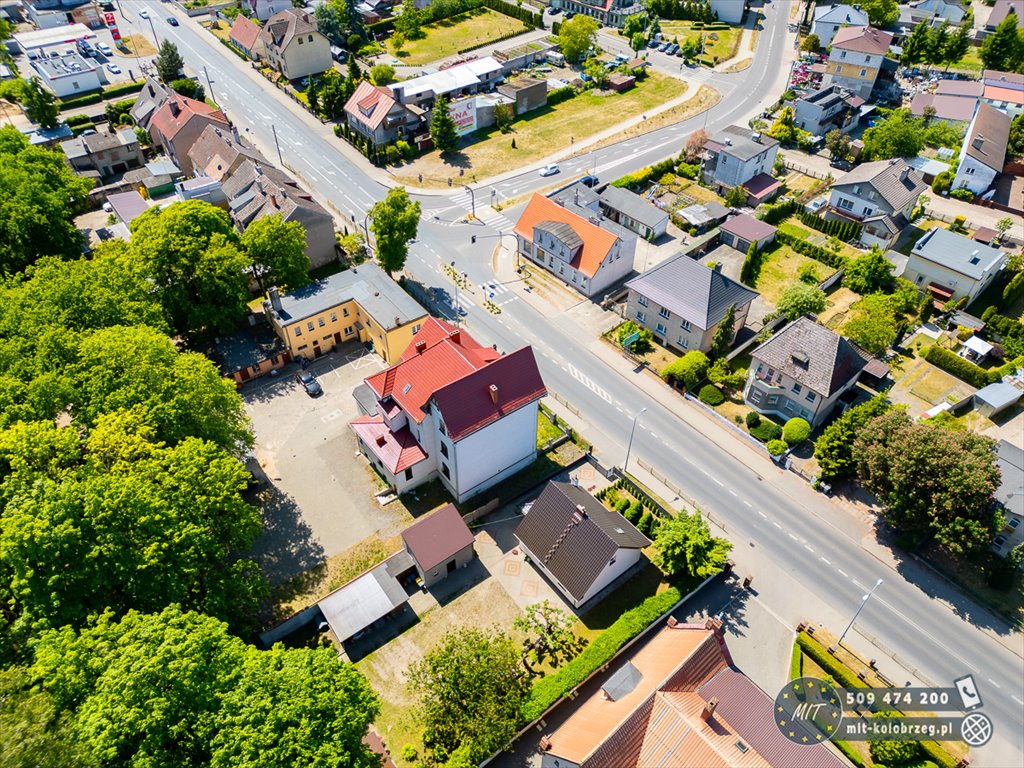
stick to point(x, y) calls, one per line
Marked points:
point(852, 71)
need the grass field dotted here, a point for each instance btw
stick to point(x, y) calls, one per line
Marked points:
point(724, 47)
point(779, 272)
point(541, 133)
point(449, 36)
point(969, 63)
point(839, 303)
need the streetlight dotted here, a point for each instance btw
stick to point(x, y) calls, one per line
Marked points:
point(629, 448)
point(153, 29)
point(455, 279)
point(366, 229)
point(863, 601)
point(472, 200)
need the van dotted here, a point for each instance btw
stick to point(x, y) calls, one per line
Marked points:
point(555, 58)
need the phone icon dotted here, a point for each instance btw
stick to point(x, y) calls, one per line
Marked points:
point(968, 693)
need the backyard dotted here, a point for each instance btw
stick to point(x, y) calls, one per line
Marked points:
point(839, 303)
point(543, 133)
point(780, 269)
point(453, 35)
point(920, 385)
point(720, 42)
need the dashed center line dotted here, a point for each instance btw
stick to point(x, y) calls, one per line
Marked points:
point(826, 561)
point(793, 536)
point(808, 547)
point(844, 573)
point(997, 685)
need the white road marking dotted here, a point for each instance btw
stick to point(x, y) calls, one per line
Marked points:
point(1017, 700)
point(844, 573)
point(997, 685)
point(762, 514)
point(826, 561)
point(793, 536)
point(776, 523)
point(808, 547)
point(749, 504)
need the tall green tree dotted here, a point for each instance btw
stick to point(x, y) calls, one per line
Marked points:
point(899, 135)
point(833, 449)
point(549, 635)
point(873, 323)
point(34, 735)
point(577, 35)
point(443, 131)
point(175, 688)
point(410, 21)
point(930, 480)
point(169, 64)
point(868, 273)
point(190, 249)
point(957, 45)
point(470, 689)
point(938, 40)
point(394, 221)
point(39, 196)
point(881, 13)
point(801, 299)
point(276, 250)
point(838, 144)
point(722, 341)
point(915, 48)
point(685, 546)
point(40, 104)
point(186, 86)
point(330, 21)
point(1003, 50)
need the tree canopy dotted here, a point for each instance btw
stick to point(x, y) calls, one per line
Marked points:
point(443, 131)
point(577, 35)
point(800, 299)
point(868, 273)
point(168, 63)
point(685, 545)
point(276, 250)
point(1003, 50)
point(40, 104)
point(833, 449)
point(394, 221)
point(881, 13)
point(873, 323)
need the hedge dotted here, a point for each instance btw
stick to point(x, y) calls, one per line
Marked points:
point(641, 177)
point(848, 231)
point(796, 663)
point(550, 689)
point(766, 431)
point(1005, 326)
point(968, 371)
point(491, 41)
point(523, 13)
point(773, 214)
point(811, 250)
point(850, 753)
point(1012, 291)
point(74, 120)
point(711, 395)
point(839, 672)
point(81, 128)
point(107, 93)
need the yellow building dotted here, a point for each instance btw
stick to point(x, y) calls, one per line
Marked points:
point(360, 304)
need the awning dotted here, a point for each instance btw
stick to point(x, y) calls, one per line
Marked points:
point(978, 346)
point(940, 291)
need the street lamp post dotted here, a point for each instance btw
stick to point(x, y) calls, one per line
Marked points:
point(153, 30)
point(629, 448)
point(472, 200)
point(455, 279)
point(863, 601)
point(366, 229)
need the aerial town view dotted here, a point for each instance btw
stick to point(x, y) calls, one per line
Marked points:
point(512, 383)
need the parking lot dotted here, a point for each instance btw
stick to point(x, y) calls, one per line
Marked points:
point(323, 491)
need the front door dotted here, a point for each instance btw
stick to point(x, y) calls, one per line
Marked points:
point(450, 568)
point(337, 337)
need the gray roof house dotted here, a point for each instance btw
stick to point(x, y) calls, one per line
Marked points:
point(744, 230)
point(802, 371)
point(633, 212)
point(737, 155)
point(150, 99)
point(683, 302)
point(996, 398)
point(1010, 497)
point(951, 266)
point(580, 545)
point(879, 195)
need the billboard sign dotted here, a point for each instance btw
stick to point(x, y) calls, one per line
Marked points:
point(464, 114)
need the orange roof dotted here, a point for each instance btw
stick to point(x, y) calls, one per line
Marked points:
point(370, 104)
point(1009, 95)
point(178, 110)
point(597, 242)
point(244, 32)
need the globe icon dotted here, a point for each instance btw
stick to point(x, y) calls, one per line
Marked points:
point(976, 729)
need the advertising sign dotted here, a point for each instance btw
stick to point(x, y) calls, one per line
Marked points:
point(464, 114)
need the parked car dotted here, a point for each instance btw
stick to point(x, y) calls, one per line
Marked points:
point(173, 21)
point(309, 383)
point(143, 14)
point(104, 49)
point(653, 44)
point(842, 165)
point(549, 170)
point(113, 69)
point(554, 11)
point(589, 181)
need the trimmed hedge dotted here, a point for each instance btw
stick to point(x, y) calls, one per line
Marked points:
point(819, 655)
point(773, 214)
point(850, 753)
point(1014, 289)
point(711, 395)
point(777, 447)
point(641, 177)
point(523, 13)
point(74, 120)
point(107, 93)
point(844, 230)
point(956, 365)
point(796, 430)
point(811, 250)
point(766, 431)
point(550, 689)
point(796, 663)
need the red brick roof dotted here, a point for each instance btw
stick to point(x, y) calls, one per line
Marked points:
point(447, 365)
point(244, 32)
point(370, 104)
point(437, 538)
point(178, 110)
point(396, 450)
point(597, 242)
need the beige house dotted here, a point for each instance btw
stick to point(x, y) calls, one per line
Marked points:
point(293, 46)
point(177, 125)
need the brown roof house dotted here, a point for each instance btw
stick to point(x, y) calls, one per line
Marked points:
point(580, 545)
point(439, 544)
point(742, 231)
point(802, 371)
point(374, 113)
point(679, 702)
point(245, 35)
point(218, 153)
point(107, 153)
point(177, 124)
point(150, 99)
point(983, 153)
point(293, 46)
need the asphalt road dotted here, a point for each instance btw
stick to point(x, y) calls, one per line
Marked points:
point(804, 566)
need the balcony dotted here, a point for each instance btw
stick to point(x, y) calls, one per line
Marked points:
point(763, 380)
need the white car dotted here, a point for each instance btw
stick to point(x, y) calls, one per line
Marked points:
point(113, 69)
point(549, 170)
point(143, 14)
point(104, 49)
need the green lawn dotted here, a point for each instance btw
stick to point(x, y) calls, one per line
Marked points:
point(969, 63)
point(779, 272)
point(546, 431)
point(541, 133)
point(724, 47)
point(449, 36)
point(794, 230)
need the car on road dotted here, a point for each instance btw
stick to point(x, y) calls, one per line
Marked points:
point(172, 21)
point(113, 69)
point(589, 181)
point(309, 383)
point(143, 14)
point(549, 170)
point(104, 49)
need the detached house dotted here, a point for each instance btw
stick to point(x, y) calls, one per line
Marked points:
point(951, 267)
point(802, 371)
point(452, 410)
point(293, 46)
point(581, 252)
point(105, 153)
point(826, 109)
point(684, 302)
point(983, 153)
point(879, 195)
point(611, 13)
point(245, 35)
point(580, 545)
point(150, 99)
point(375, 114)
point(264, 9)
point(857, 56)
point(1004, 91)
point(736, 157)
point(177, 124)
point(830, 19)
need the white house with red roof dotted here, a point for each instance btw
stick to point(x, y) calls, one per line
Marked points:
point(575, 244)
point(375, 114)
point(450, 409)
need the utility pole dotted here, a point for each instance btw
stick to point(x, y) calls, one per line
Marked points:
point(629, 448)
point(277, 144)
point(153, 30)
point(209, 86)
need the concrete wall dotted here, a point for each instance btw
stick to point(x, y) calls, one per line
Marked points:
point(462, 558)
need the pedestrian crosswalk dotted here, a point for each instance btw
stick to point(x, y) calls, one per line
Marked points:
point(484, 213)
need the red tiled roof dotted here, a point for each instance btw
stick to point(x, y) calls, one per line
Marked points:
point(597, 242)
point(375, 100)
point(1009, 95)
point(244, 32)
point(168, 123)
point(437, 537)
point(862, 40)
point(396, 450)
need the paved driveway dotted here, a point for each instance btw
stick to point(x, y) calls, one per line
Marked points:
point(322, 497)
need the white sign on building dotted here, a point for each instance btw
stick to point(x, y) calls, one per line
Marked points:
point(463, 112)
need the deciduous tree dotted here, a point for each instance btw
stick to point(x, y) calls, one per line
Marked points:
point(930, 480)
point(685, 546)
point(834, 447)
point(810, 43)
point(394, 221)
point(838, 144)
point(577, 35)
point(868, 273)
point(382, 74)
point(800, 299)
point(34, 735)
point(899, 135)
point(549, 635)
point(881, 13)
point(695, 144)
point(39, 103)
point(276, 250)
point(186, 86)
point(872, 324)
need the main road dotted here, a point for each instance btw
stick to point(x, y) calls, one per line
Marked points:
point(807, 565)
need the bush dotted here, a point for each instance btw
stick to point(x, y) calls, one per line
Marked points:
point(711, 395)
point(956, 365)
point(777, 447)
point(646, 524)
point(550, 689)
point(409, 752)
point(961, 194)
point(773, 214)
point(622, 505)
point(753, 419)
point(894, 753)
point(627, 329)
point(767, 431)
point(1013, 290)
point(634, 512)
point(78, 120)
point(796, 431)
point(688, 369)
point(820, 656)
point(942, 182)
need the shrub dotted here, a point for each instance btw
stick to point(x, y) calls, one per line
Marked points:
point(843, 676)
point(942, 182)
point(688, 369)
point(893, 752)
point(627, 329)
point(711, 395)
point(777, 447)
point(409, 752)
point(960, 194)
point(807, 273)
point(78, 120)
point(550, 689)
point(753, 419)
point(1013, 289)
point(635, 512)
point(796, 431)
point(956, 365)
point(767, 431)
point(646, 524)
point(622, 505)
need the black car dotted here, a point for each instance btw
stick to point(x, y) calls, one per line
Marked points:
point(554, 11)
point(842, 165)
point(172, 21)
point(309, 383)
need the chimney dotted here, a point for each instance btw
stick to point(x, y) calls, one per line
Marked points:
point(493, 389)
point(175, 107)
point(709, 709)
point(978, 141)
point(420, 347)
point(576, 191)
point(275, 298)
point(381, 439)
point(455, 336)
point(273, 200)
point(904, 173)
point(718, 266)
